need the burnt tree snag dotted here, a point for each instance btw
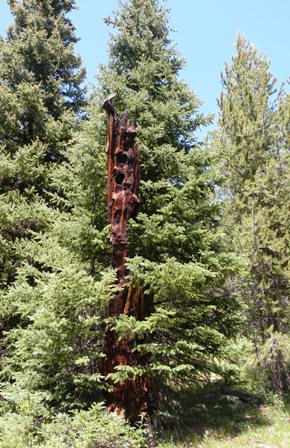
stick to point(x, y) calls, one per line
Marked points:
point(123, 204)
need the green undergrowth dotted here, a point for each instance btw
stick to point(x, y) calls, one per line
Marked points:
point(227, 422)
point(214, 417)
point(93, 428)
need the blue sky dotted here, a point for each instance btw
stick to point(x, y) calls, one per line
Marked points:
point(205, 35)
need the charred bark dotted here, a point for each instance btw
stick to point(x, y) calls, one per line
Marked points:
point(132, 396)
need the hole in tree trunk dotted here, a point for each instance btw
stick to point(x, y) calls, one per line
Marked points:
point(119, 178)
point(122, 158)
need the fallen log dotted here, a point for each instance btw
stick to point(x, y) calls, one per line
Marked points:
point(245, 397)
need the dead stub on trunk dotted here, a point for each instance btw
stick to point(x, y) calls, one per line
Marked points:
point(131, 396)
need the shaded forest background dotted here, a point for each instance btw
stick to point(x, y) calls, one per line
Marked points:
point(209, 247)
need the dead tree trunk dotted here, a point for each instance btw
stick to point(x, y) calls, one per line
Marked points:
point(123, 203)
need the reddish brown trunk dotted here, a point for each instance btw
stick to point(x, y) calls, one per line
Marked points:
point(123, 203)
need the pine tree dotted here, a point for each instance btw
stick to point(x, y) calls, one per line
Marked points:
point(49, 302)
point(175, 251)
point(40, 92)
point(253, 146)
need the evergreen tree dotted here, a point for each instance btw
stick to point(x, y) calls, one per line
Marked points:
point(48, 299)
point(253, 142)
point(175, 251)
point(40, 91)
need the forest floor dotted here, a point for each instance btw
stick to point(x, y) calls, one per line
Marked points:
point(234, 426)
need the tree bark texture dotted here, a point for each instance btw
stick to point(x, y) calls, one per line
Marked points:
point(132, 396)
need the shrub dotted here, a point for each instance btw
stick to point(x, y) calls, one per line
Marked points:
point(94, 428)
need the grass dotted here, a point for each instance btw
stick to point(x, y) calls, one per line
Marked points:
point(230, 424)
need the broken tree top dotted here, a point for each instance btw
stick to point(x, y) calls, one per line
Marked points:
point(123, 181)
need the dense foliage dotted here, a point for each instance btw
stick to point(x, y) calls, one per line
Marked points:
point(199, 256)
point(40, 92)
point(175, 246)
